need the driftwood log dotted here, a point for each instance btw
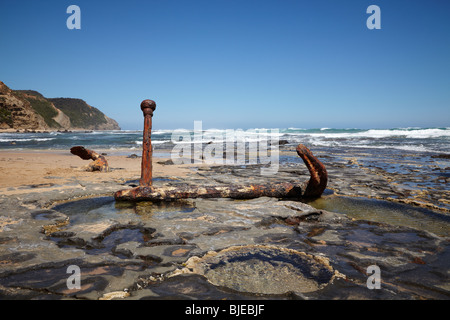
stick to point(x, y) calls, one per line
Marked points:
point(146, 192)
point(99, 163)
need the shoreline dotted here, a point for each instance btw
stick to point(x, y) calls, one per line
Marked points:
point(58, 166)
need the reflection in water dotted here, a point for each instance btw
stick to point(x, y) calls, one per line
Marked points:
point(96, 209)
point(386, 212)
point(146, 209)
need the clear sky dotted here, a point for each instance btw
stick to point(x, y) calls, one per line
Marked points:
point(237, 63)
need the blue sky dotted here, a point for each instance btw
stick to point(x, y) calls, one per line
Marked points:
point(237, 63)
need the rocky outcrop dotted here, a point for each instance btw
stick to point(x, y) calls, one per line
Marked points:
point(53, 117)
point(17, 113)
point(110, 124)
point(30, 110)
point(62, 119)
point(84, 116)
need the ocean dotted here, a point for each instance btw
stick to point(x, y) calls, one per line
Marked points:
point(420, 140)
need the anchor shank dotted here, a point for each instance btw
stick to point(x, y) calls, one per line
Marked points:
point(147, 106)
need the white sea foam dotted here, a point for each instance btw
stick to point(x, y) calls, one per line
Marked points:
point(360, 144)
point(380, 133)
point(138, 142)
point(161, 131)
point(26, 139)
point(414, 134)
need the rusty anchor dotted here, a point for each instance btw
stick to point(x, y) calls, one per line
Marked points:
point(146, 192)
point(99, 163)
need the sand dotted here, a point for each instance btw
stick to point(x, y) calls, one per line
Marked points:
point(48, 168)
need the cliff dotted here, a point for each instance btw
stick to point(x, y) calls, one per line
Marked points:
point(84, 116)
point(53, 117)
point(17, 113)
point(28, 109)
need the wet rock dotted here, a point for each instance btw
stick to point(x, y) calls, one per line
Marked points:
point(186, 286)
point(327, 236)
point(166, 162)
point(264, 269)
point(115, 295)
point(133, 156)
point(190, 250)
point(88, 233)
point(441, 156)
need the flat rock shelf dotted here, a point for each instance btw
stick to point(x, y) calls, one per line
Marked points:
point(217, 248)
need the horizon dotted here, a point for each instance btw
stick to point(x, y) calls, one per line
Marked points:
point(237, 64)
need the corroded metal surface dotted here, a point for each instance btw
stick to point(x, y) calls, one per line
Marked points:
point(280, 190)
point(147, 107)
point(319, 176)
point(146, 192)
point(99, 163)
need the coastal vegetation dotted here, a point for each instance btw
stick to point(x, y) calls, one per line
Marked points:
point(41, 105)
point(5, 116)
point(30, 110)
point(80, 113)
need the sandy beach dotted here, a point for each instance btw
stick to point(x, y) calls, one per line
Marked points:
point(44, 169)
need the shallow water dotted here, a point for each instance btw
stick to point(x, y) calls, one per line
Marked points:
point(360, 208)
point(231, 258)
point(100, 208)
point(386, 212)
